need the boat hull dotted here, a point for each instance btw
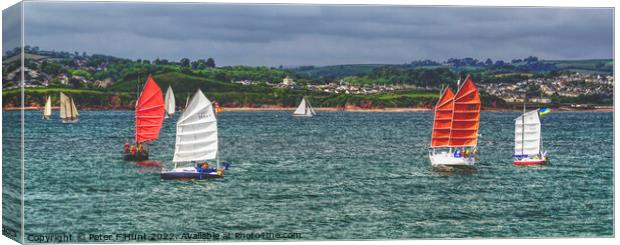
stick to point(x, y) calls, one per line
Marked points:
point(302, 115)
point(136, 157)
point(70, 121)
point(170, 175)
point(528, 161)
point(531, 162)
point(447, 159)
point(191, 173)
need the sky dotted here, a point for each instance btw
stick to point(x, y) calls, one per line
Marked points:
point(289, 35)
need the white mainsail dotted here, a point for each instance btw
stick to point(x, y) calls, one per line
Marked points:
point(197, 138)
point(67, 107)
point(74, 111)
point(304, 109)
point(169, 102)
point(47, 112)
point(63, 105)
point(527, 134)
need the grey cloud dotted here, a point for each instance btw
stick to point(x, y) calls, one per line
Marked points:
point(313, 34)
point(11, 28)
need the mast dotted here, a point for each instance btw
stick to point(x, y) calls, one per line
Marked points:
point(135, 127)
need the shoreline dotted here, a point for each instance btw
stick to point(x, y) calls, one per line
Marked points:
point(328, 109)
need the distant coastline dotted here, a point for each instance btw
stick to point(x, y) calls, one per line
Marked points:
point(330, 109)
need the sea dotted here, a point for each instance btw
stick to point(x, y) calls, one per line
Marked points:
point(335, 176)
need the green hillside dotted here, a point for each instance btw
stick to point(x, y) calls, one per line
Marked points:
point(336, 70)
point(84, 97)
point(592, 65)
point(184, 83)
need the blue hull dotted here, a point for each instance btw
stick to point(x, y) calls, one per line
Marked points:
point(188, 176)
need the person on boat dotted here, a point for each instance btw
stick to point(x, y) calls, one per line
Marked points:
point(132, 149)
point(197, 166)
point(140, 147)
point(126, 147)
point(218, 109)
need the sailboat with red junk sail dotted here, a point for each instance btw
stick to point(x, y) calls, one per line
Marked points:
point(149, 114)
point(455, 128)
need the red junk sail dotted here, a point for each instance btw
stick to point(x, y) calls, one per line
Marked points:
point(149, 112)
point(443, 119)
point(466, 115)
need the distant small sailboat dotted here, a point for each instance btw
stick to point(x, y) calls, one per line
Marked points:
point(528, 140)
point(196, 143)
point(170, 103)
point(149, 118)
point(304, 109)
point(47, 110)
point(455, 129)
point(68, 110)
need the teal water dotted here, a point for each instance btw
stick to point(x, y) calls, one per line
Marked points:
point(335, 176)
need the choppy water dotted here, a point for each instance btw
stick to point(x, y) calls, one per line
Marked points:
point(334, 176)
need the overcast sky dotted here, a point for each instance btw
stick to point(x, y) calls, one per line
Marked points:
point(275, 35)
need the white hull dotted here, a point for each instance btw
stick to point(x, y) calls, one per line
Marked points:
point(531, 160)
point(186, 170)
point(302, 115)
point(70, 121)
point(448, 159)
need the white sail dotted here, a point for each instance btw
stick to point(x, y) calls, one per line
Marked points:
point(67, 107)
point(310, 108)
point(304, 109)
point(47, 112)
point(170, 103)
point(64, 106)
point(527, 134)
point(74, 111)
point(197, 138)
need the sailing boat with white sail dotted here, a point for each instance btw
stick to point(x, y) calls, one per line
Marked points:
point(47, 110)
point(68, 110)
point(304, 109)
point(528, 140)
point(196, 143)
point(170, 103)
point(455, 129)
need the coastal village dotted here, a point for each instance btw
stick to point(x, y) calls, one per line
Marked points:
point(75, 70)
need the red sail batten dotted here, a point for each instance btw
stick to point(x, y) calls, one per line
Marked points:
point(149, 112)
